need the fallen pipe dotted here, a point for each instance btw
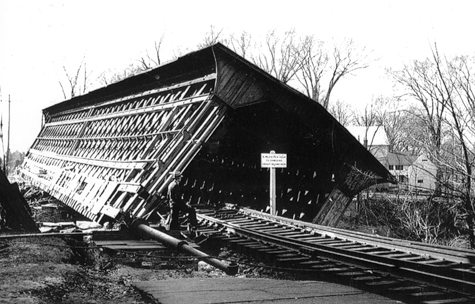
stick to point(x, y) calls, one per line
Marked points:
point(141, 227)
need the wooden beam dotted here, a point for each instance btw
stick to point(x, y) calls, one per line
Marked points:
point(148, 109)
point(129, 165)
point(349, 181)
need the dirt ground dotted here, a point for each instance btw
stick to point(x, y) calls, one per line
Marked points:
point(47, 270)
point(61, 270)
point(44, 270)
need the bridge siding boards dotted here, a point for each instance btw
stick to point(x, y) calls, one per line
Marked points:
point(209, 113)
point(116, 157)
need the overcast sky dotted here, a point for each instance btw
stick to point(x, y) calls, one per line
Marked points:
point(38, 38)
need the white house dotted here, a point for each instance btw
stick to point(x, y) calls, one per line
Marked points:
point(398, 164)
point(413, 171)
point(421, 173)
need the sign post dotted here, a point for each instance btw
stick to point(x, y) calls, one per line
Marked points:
point(273, 160)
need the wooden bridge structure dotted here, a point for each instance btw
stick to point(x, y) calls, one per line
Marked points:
point(209, 114)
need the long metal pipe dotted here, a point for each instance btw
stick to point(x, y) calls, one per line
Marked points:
point(142, 228)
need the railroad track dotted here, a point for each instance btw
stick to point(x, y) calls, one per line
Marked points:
point(409, 271)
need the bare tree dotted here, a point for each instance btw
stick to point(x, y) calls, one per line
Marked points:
point(111, 76)
point(422, 83)
point(370, 116)
point(211, 37)
point(240, 44)
point(144, 63)
point(320, 70)
point(342, 112)
point(76, 83)
point(404, 132)
point(458, 83)
point(370, 119)
point(444, 88)
point(393, 120)
point(407, 132)
point(277, 56)
point(149, 61)
point(314, 63)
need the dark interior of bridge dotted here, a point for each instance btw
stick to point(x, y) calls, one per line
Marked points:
point(228, 167)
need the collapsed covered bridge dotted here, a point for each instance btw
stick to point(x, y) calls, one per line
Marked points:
point(209, 114)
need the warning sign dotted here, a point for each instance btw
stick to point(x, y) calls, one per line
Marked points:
point(273, 160)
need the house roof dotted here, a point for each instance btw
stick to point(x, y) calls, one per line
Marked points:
point(396, 158)
point(375, 135)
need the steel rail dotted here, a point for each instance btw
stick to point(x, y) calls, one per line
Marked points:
point(445, 277)
point(456, 255)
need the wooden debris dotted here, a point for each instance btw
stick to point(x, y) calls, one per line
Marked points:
point(16, 214)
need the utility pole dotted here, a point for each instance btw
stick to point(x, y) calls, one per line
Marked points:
point(1, 132)
point(7, 158)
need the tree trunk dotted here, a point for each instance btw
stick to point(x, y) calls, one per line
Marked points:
point(471, 227)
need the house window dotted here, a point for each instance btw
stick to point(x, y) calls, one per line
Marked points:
point(391, 167)
point(402, 179)
point(399, 167)
point(420, 181)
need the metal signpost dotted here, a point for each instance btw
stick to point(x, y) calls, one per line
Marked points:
point(273, 160)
